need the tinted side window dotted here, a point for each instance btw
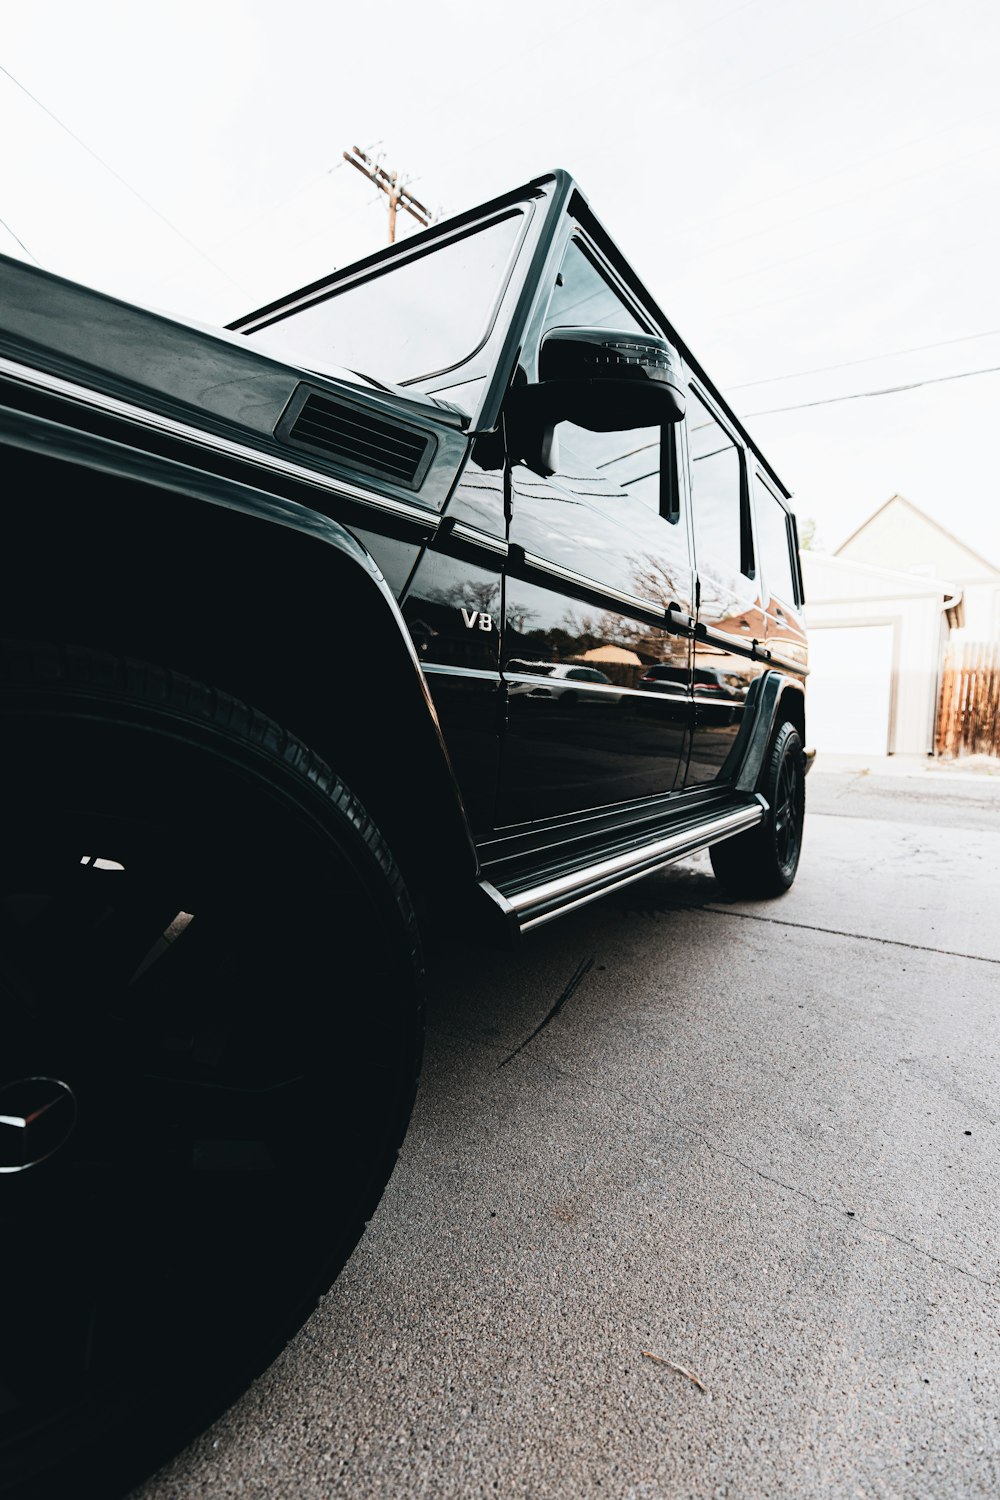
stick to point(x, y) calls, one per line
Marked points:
point(608, 465)
point(623, 463)
point(717, 495)
point(775, 545)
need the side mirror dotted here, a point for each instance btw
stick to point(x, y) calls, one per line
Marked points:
point(611, 382)
point(599, 379)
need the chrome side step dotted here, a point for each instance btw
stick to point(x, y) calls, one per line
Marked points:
point(527, 906)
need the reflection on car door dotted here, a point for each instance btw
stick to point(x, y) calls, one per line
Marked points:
point(730, 616)
point(598, 552)
point(593, 567)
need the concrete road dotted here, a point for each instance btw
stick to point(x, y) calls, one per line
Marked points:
point(757, 1142)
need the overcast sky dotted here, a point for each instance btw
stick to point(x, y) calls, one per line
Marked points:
point(802, 185)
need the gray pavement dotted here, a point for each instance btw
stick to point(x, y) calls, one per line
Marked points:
point(759, 1142)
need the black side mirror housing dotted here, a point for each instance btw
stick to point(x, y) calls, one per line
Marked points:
point(610, 381)
point(597, 378)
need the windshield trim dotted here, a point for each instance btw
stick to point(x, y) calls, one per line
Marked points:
point(367, 273)
point(548, 196)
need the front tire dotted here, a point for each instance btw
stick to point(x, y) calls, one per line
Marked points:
point(764, 861)
point(210, 962)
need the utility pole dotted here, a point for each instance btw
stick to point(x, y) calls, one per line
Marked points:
point(399, 195)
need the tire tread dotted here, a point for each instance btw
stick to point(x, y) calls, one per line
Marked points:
point(39, 674)
point(747, 865)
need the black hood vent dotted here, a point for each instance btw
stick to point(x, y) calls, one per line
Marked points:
point(357, 437)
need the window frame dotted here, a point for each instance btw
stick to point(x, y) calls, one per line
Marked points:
point(371, 268)
point(670, 507)
point(791, 542)
point(748, 554)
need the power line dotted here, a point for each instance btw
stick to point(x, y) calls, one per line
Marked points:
point(119, 178)
point(889, 390)
point(867, 360)
point(19, 240)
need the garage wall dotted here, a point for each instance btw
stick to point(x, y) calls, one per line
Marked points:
point(877, 666)
point(852, 687)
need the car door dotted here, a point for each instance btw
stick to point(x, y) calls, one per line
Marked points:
point(731, 625)
point(599, 552)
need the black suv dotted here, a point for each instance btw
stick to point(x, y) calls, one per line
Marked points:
point(303, 665)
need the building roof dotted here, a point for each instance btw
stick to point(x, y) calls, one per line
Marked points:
point(899, 502)
point(831, 579)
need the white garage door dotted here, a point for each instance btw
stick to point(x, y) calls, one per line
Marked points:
point(849, 689)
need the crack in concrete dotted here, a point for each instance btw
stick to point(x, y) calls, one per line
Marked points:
point(861, 937)
point(833, 1208)
point(582, 969)
point(820, 1203)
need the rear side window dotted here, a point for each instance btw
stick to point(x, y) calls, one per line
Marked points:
point(775, 544)
point(717, 494)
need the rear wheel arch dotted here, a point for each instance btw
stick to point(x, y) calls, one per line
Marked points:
point(773, 699)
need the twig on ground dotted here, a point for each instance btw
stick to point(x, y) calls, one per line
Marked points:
point(671, 1365)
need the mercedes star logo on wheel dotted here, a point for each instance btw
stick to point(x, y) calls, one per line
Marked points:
point(37, 1116)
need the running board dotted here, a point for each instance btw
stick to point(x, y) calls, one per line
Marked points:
point(525, 906)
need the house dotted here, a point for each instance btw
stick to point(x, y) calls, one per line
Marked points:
point(877, 638)
point(901, 536)
point(881, 611)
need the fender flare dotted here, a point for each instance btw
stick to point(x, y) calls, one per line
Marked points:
point(773, 697)
point(261, 590)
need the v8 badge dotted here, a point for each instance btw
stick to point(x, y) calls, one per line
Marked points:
point(476, 618)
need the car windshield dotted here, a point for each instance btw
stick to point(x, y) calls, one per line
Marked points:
point(412, 319)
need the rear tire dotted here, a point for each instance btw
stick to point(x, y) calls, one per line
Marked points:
point(764, 861)
point(208, 958)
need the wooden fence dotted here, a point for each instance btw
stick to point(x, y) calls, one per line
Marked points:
point(969, 711)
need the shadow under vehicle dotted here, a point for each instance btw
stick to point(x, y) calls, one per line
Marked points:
point(271, 642)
